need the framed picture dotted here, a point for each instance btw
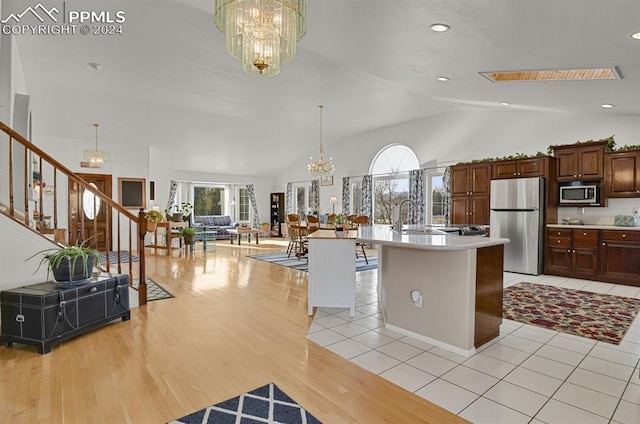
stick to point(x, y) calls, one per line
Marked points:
point(132, 193)
point(326, 181)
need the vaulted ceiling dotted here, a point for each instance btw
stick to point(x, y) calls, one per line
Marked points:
point(168, 80)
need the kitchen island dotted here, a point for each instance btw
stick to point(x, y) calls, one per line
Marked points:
point(445, 290)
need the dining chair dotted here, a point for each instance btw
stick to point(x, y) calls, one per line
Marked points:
point(358, 221)
point(295, 237)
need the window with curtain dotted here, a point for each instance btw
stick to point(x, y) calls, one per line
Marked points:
point(208, 200)
point(244, 205)
point(438, 199)
point(390, 169)
point(356, 198)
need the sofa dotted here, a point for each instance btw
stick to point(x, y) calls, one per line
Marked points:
point(220, 223)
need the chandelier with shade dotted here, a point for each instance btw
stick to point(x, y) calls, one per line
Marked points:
point(96, 158)
point(321, 168)
point(262, 34)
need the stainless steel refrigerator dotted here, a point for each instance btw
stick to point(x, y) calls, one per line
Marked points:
point(517, 213)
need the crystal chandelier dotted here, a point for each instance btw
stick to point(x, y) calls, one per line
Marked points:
point(261, 34)
point(320, 168)
point(96, 158)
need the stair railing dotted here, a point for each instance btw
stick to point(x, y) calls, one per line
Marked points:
point(26, 166)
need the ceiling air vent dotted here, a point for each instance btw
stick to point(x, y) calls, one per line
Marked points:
point(553, 75)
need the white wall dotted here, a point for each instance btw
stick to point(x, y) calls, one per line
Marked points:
point(466, 135)
point(18, 244)
point(166, 165)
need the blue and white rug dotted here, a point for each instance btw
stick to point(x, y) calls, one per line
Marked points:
point(281, 258)
point(266, 404)
point(154, 290)
point(113, 257)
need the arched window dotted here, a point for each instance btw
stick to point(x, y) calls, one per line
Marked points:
point(390, 169)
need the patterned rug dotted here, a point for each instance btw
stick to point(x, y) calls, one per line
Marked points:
point(593, 315)
point(113, 257)
point(280, 258)
point(154, 290)
point(266, 404)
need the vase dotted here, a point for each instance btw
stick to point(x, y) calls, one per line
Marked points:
point(176, 217)
point(340, 233)
point(151, 226)
point(74, 270)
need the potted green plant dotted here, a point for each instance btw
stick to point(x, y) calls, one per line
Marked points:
point(153, 217)
point(69, 264)
point(189, 234)
point(341, 223)
point(265, 226)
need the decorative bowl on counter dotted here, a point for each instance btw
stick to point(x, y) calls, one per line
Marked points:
point(625, 221)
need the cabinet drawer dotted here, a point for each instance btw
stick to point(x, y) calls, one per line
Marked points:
point(559, 241)
point(585, 238)
point(559, 232)
point(613, 235)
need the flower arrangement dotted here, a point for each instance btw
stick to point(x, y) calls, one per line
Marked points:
point(153, 216)
point(185, 208)
point(341, 222)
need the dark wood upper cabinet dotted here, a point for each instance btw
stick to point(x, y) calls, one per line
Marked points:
point(470, 180)
point(470, 187)
point(520, 168)
point(622, 174)
point(582, 161)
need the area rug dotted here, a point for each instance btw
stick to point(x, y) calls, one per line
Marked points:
point(266, 404)
point(113, 257)
point(154, 290)
point(593, 315)
point(302, 264)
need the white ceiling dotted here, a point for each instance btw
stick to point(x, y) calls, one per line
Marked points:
point(169, 81)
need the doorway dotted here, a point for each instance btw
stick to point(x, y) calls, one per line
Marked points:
point(89, 217)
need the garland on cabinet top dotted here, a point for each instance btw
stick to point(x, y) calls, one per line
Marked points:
point(610, 148)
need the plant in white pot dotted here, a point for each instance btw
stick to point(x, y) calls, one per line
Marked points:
point(69, 264)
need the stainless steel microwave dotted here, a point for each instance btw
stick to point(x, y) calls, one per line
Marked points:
point(580, 192)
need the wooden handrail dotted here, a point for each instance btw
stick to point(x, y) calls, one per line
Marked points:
point(108, 201)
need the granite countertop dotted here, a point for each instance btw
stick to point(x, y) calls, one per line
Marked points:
point(594, 227)
point(383, 234)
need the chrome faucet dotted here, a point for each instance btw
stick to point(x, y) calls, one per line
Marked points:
point(397, 226)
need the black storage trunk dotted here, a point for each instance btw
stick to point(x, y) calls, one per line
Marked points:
point(44, 314)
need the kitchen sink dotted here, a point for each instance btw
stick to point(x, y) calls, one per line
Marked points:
point(424, 231)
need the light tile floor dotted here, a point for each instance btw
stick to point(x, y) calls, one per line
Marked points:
point(526, 375)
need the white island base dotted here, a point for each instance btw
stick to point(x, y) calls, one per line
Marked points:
point(332, 271)
point(461, 294)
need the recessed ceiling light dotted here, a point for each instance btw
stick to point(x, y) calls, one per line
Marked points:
point(439, 27)
point(607, 106)
point(443, 79)
point(635, 35)
point(505, 103)
point(95, 66)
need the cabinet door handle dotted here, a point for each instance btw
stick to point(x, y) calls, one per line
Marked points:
point(574, 175)
point(515, 173)
point(569, 250)
point(604, 244)
point(624, 235)
point(584, 234)
point(558, 241)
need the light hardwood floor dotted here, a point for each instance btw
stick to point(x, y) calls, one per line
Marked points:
point(235, 324)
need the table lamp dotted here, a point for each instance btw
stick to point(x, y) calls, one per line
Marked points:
point(334, 202)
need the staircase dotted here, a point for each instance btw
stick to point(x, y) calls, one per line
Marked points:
point(45, 208)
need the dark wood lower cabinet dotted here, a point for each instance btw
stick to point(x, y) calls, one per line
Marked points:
point(620, 257)
point(603, 255)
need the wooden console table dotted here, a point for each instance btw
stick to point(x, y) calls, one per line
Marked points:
point(169, 226)
point(45, 314)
